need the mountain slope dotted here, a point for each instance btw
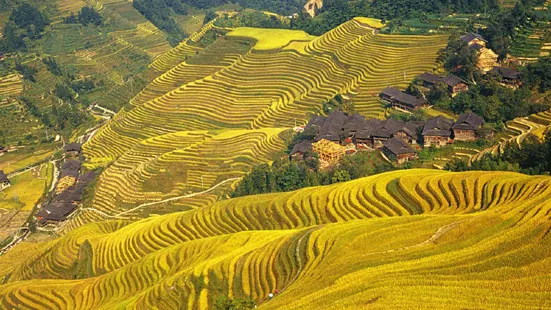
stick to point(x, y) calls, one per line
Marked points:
point(234, 86)
point(406, 239)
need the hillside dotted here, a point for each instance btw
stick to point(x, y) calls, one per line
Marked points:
point(407, 239)
point(243, 87)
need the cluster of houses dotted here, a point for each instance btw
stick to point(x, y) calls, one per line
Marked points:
point(69, 188)
point(454, 84)
point(4, 182)
point(397, 140)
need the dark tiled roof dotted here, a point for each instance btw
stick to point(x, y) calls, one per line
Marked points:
point(315, 122)
point(391, 91)
point(452, 80)
point(398, 147)
point(73, 147)
point(506, 72)
point(410, 128)
point(468, 121)
point(70, 168)
point(438, 126)
point(402, 97)
point(476, 47)
point(430, 78)
point(56, 211)
point(354, 123)
point(332, 127)
point(471, 36)
point(3, 177)
point(387, 128)
point(302, 147)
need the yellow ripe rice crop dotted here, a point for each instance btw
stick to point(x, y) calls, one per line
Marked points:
point(269, 39)
point(382, 241)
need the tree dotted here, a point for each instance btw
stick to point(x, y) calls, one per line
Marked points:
point(340, 176)
point(210, 15)
point(88, 15)
point(438, 95)
point(12, 42)
point(30, 18)
point(63, 92)
point(52, 66)
point(28, 72)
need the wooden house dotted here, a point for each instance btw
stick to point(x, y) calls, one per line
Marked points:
point(4, 182)
point(509, 77)
point(473, 40)
point(455, 85)
point(300, 149)
point(409, 133)
point(312, 7)
point(466, 126)
point(385, 131)
point(400, 100)
point(72, 149)
point(437, 131)
point(399, 151)
point(332, 128)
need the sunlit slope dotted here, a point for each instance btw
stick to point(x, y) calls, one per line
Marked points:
point(274, 88)
point(402, 240)
point(177, 164)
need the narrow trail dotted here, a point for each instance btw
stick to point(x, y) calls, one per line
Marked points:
point(439, 233)
point(119, 215)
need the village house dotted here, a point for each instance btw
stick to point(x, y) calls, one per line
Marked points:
point(312, 7)
point(72, 149)
point(473, 39)
point(353, 124)
point(55, 212)
point(466, 126)
point(300, 149)
point(487, 59)
point(510, 77)
point(400, 100)
point(4, 182)
point(332, 128)
point(69, 175)
point(437, 131)
point(399, 151)
point(64, 204)
point(429, 80)
point(409, 133)
point(385, 131)
point(455, 84)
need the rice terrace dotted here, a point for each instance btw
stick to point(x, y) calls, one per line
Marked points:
point(275, 154)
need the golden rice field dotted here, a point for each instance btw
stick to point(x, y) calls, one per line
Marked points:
point(537, 124)
point(263, 90)
point(402, 240)
point(174, 164)
point(248, 93)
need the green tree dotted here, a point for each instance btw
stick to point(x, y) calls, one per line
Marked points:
point(340, 176)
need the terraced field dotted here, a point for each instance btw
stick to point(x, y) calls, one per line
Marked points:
point(402, 240)
point(251, 94)
point(175, 164)
point(517, 129)
point(262, 90)
point(10, 85)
